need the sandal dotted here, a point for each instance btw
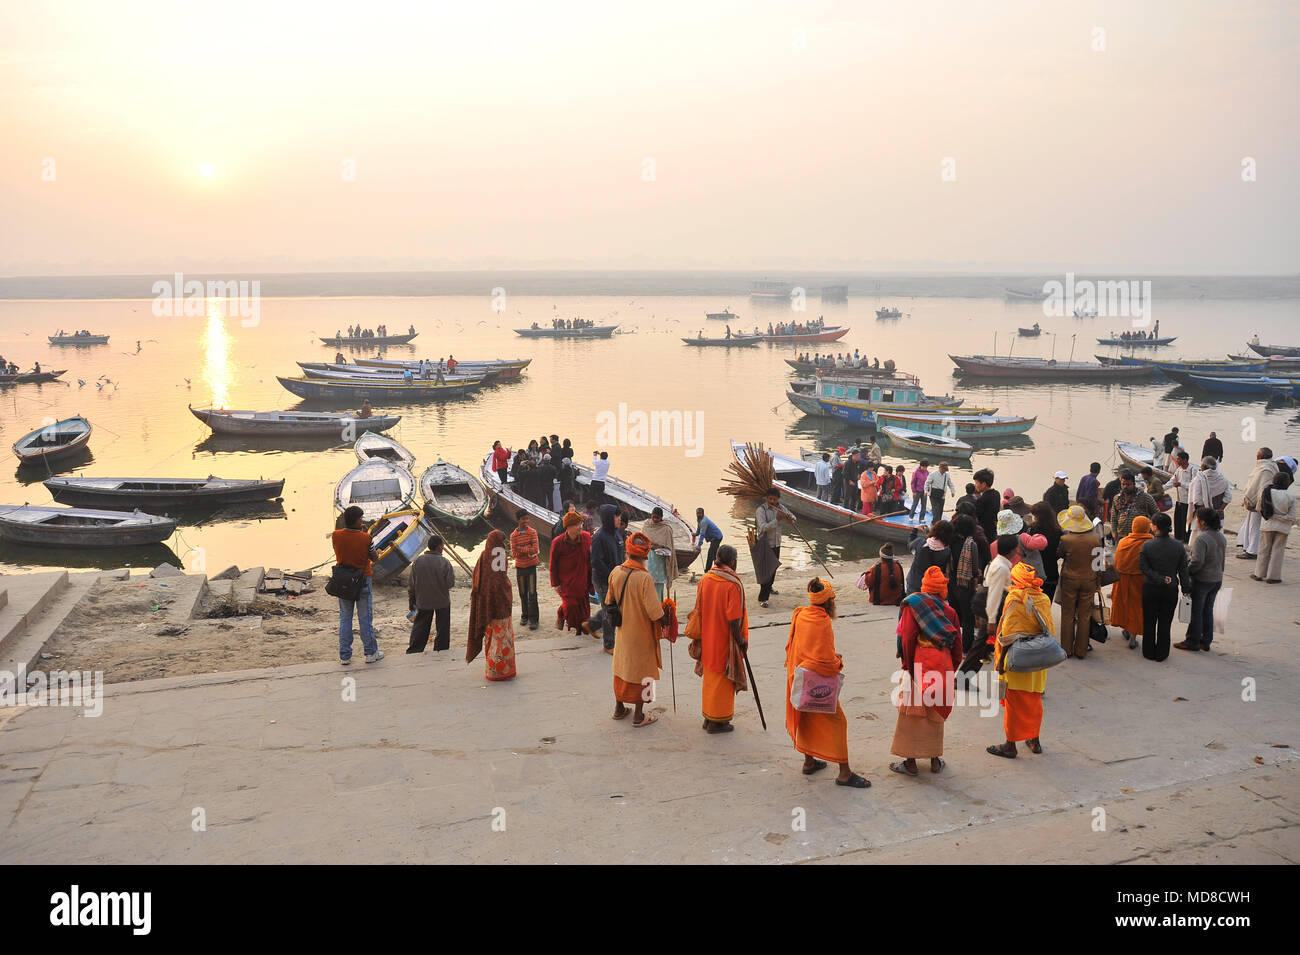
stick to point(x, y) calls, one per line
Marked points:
point(817, 766)
point(856, 781)
point(999, 751)
point(646, 720)
point(941, 764)
point(1034, 746)
point(621, 716)
point(901, 768)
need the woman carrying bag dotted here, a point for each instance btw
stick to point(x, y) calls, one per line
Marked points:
point(1026, 612)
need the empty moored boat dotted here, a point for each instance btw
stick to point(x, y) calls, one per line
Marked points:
point(81, 527)
point(453, 494)
point(923, 444)
point(160, 494)
point(1138, 457)
point(371, 388)
point(958, 425)
point(377, 487)
point(398, 538)
point(379, 446)
point(54, 442)
point(735, 341)
point(1270, 351)
point(291, 424)
point(1046, 369)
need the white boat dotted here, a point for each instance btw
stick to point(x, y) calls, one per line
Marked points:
point(377, 487)
point(371, 446)
point(1140, 457)
point(82, 527)
point(453, 494)
point(918, 443)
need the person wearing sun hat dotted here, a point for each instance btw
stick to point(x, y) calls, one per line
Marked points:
point(1080, 546)
point(929, 645)
point(1022, 713)
point(821, 737)
point(1031, 545)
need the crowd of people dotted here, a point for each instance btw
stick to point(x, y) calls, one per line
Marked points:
point(811, 327)
point(845, 360)
point(82, 333)
point(357, 331)
point(977, 586)
point(1136, 336)
point(569, 323)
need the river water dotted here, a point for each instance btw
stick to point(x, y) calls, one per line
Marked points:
point(143, 428)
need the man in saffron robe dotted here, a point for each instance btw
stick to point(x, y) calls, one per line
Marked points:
point(724, 637)
point(571, 573)
point(1022, 713)
point(930, 647)
point(637, 658)
point(821, 737)
point(1126, 595)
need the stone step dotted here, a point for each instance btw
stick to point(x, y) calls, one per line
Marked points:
point(29, 596)
point(25, 648)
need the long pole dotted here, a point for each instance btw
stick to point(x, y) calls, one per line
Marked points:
point(867, 520)
point(447, 546)
point(753, 685)
point(672, 664)
point(794, 526)
point(1072, 338)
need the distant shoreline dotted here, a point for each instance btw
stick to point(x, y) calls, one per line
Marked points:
point(725, 286)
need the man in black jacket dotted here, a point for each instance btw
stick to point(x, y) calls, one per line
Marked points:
point(607, 552)
point(1163, 561)
point(987, 502)
point(1058, 495)
point(1213, 446)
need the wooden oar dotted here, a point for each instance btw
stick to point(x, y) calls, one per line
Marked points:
point(794, 526)
point(867, 520)
point(447, 546)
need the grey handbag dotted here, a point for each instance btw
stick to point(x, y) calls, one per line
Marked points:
point(1035, 651)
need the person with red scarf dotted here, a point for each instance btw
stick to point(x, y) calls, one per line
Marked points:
point(929, 638)
point(571, 573)
point(490, 606)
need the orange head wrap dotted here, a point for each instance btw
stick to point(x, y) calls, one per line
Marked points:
point(822, 596)
point(1023, 576)
point(638, 546)
point(571, 518)
point(1141, 525)
point(934, 582)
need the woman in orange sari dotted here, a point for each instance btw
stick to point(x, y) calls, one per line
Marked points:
point(929, 635)
point(1126, 595)
point(490, 606)
point(1022, 709)
point(819, 736)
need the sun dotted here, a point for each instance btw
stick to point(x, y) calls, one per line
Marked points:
point(206, 170)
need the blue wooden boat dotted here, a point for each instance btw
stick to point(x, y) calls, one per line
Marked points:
point(963, 426)
point(354, 392)
point(399, 538)
point(1209, 366)
point(1260, 386)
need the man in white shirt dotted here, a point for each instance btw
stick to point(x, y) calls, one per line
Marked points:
point(823, 470)
point(599, 471)
point(1181, 485)
point(937, 485)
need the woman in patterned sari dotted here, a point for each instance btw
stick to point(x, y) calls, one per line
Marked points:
point(490, 608)
point(929, 645)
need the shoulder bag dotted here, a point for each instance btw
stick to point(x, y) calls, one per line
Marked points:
point(1033, 651)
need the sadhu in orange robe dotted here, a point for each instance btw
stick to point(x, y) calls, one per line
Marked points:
point(720, 599)
point(812, 646)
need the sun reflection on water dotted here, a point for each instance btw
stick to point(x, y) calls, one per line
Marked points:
point(218, 369)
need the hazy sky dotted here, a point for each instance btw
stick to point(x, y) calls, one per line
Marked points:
point(791, 134)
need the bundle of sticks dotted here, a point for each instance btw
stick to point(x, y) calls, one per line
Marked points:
point(750, 478)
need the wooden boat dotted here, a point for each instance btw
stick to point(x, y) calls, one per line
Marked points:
point(1280, 351)
point(399, 538)
point(331, 372)
point(31, 377)
point(1257, 386)
point(377, 487)
point(841, 371)
point(452, 494)
point(1211, 366)
point(1138, 342)
point(56, 441)
point(921, 443)
point(1030, 332)
point(504, 501)
point(291, 424)
point(957, 425)
point(500, 367)
point(799, 496)
point(376, 342)
point(1046, 369)
point(380, 447)
point(78, 339)
point(159, 494)
point(827, 335)
point(735, 341)
point(1017, 294)
point(726, 315)
point(888, 313)
point(81, 527)
point(1139, 457)
point(357, 391)
point(594, 331)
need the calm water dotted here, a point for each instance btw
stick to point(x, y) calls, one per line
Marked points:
point(142, 427)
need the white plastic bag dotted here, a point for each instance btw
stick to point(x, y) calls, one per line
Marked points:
point(1185, 608)
point(1221, 601)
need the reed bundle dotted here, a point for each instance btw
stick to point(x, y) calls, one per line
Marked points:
point(752, 476)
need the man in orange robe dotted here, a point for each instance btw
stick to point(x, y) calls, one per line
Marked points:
point(819, 736)
point(637, 658)
point(724, 637)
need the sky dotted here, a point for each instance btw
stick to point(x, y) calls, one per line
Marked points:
point(156, 136)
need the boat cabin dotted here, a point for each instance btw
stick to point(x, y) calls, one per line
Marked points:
point(895, 392)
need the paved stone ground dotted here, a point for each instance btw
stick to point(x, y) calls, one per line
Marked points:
point(428, 755)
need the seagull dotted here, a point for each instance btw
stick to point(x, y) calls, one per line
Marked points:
point(81, 382)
